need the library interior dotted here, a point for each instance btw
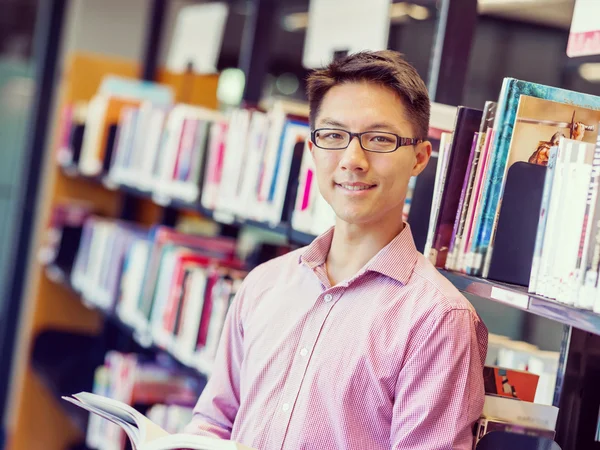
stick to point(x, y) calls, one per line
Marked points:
point(150, 147)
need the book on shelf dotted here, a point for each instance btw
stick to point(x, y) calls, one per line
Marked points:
point(505, 123)
point(486, 425)
point(467, 123)
point(143, 384)
point(511, 383)
point(532, 124)
point(143, 433)
point(471, 188)
point(509, 402)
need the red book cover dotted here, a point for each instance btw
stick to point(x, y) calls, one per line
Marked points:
point(511, 383)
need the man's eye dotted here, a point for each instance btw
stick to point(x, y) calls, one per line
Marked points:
point(381, 139)
point(332, 136)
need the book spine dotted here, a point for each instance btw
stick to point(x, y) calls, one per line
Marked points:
point(583, 291)
point(539, 239)
point(548, 249)
point(461, 212)
point(508, 102)
point(576, 228)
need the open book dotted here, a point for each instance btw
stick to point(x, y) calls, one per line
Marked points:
point(142, 432)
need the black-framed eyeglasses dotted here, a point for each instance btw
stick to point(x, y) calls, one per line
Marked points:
point(371, 141)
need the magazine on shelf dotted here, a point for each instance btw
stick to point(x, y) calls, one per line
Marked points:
point(141, 431)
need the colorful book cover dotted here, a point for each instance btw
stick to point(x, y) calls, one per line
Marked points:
point(540, 235)
point(462, 204)
point(537, 126)
point(511, 383)
point(474, 211)
point(464, 224)
point(510, 94)
point(438, 185)
point(467, 123)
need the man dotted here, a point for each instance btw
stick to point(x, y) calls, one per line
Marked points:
point(355, 342)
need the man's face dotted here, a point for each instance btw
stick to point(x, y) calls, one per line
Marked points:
point(358, 107)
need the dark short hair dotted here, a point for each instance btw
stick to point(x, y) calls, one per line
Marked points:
point(386, 68)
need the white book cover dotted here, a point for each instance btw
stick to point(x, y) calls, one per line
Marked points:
point(247, 202)
point(187, 339)
point(554, 215)
point(587, 274)
point(88, 162)
point(568, 210)
point(236, 148)
point(154, 141)
point(131, 281)
point(577, 228)
point(170, 152)
point(520, 412)
point(554, 155)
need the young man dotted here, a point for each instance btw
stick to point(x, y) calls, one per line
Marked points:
point(355, 342)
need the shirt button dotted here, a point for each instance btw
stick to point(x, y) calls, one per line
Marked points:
point(328, 297)
point(285, 406)
point(303, 352)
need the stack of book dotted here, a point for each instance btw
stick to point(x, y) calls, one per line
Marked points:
point(238, 163)
point(523, 356)
point(173, 289)
point(126, 378)
point(528, 124)
point(509, 405)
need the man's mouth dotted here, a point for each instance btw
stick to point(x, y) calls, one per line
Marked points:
point(355, 186)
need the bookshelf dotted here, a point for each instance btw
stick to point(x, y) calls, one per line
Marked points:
point(40, 419)
point(507, 294)
point(203, 367)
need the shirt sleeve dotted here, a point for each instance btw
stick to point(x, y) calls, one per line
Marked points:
point(440, 391)
point(217, 407)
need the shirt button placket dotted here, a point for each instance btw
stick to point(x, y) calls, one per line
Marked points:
point(328, 298)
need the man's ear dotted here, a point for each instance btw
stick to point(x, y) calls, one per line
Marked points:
point(311, 147)
point(422, 155)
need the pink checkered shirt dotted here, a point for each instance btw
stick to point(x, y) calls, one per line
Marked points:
point(389, 359)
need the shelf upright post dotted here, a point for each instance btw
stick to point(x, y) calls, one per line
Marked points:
point(578, 391)
point(149, 66)
point(47, 44)
point(457, 20)
point(256, 45)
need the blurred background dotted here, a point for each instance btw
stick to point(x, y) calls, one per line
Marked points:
point(256, 51)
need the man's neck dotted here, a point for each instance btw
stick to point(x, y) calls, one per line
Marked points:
point(353, 246)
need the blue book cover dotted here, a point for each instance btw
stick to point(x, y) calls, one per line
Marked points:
point(508, 102)
point(539, 238)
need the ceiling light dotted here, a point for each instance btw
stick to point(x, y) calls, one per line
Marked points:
point(295, 21)
point(590, 72)
point(418, 12)
point(399, 12)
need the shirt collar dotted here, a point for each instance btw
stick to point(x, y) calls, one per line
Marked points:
point(396, 260)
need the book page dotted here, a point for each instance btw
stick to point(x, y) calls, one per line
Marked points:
point(193, 442)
